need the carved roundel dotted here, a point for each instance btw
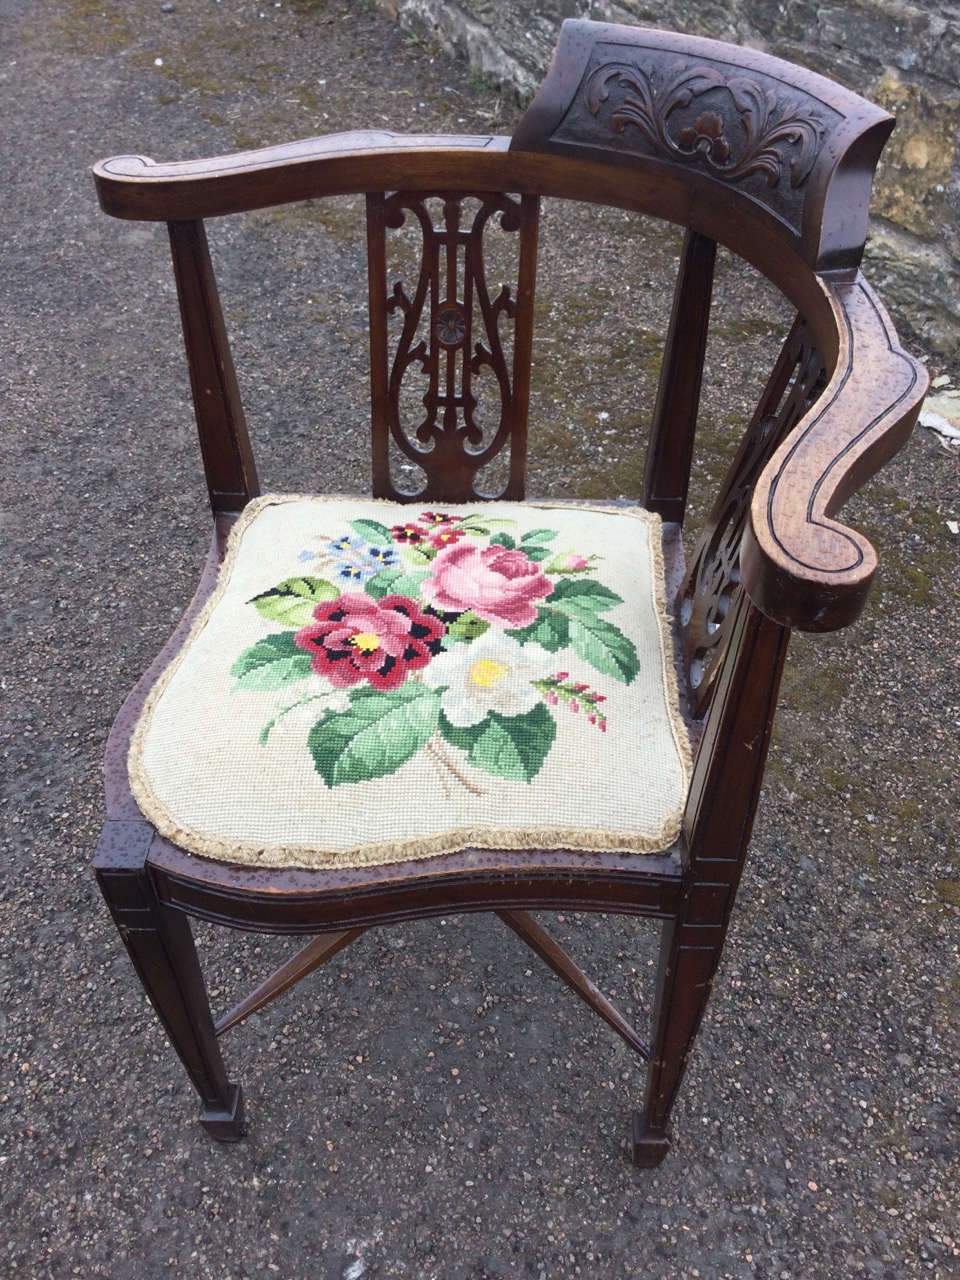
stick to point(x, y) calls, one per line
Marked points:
point(450, 326)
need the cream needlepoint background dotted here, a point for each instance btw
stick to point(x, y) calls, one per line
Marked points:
point(374, 682)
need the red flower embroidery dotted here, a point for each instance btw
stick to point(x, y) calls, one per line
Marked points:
point(358, 638)
point(444, 536)
point(408, 533)
point(438, 518)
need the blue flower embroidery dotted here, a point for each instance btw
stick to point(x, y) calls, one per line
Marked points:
point(357, 561)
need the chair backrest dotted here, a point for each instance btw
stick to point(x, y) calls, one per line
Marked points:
point(452, 332)
point(752, 151)
point(738, 148)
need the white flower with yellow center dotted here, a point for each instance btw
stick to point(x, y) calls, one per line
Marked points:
point(493, 673)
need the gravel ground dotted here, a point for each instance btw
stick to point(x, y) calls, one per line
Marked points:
point(431, 1105)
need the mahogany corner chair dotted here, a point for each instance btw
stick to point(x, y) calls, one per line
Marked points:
point(365, 715)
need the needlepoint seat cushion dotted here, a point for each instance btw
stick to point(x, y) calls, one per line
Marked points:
point(374, 682)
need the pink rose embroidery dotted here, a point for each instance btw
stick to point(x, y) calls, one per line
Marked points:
point(499, 585)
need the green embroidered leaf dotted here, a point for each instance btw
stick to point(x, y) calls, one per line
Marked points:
point(538, 535)
point(291, 602)
point(417, 555)
point(381, 584)
point(372, 530)
point(462, 736)
point(537, 553)
point(410, 583)
point(514, 746)
point(480, 522)
point(583, 595)
point(395, 582)
point(468, 626)
point(271, 663)
point(551, 629)
point(503, 540)
point(470, 526)
point(380, 733)
point(604, 646)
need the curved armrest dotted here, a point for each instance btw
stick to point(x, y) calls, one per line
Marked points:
point(800, 566)
point(139, 188)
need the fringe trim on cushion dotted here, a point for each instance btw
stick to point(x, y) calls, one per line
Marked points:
point(381, 853)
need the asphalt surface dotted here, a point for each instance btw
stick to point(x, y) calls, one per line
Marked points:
point(433, 1104)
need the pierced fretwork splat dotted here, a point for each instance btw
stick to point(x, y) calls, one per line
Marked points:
point(454, 331)
point(712, 583)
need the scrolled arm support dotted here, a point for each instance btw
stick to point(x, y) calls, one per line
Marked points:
point(799, 565)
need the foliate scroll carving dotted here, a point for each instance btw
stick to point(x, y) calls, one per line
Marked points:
point(745, 128)
point(766, 124)
point(705, 611)
point(462, 347)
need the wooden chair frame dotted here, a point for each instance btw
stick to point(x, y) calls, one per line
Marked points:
point(741, 149)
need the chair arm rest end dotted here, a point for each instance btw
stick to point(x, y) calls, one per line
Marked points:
point(799, 565)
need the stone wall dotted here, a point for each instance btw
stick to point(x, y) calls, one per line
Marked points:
point(906, 57)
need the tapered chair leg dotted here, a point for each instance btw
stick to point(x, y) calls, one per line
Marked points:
point(687, 969)
point(719, 818)
point(161, 946)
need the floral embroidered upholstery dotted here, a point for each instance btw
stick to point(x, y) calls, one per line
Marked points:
point(374, 682)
